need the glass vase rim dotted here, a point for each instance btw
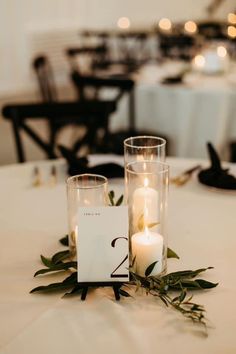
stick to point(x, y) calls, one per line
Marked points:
point(166, 167)
point(99, 185)
point(163, 142)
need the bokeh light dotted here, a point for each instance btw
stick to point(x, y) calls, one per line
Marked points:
point(190, 27)
point(231, 31)
point(165, 24)
point(199, 61)
point(221, 51)
point(232, 18)
point(123, 22)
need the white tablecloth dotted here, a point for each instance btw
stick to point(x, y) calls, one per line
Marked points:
point(201, 230)
point(201, 109)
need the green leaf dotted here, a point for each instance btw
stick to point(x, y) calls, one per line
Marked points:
point(60, 256)
point(52, 287)
point(111, 196)
point(124, 293)
point(196, 284)
point(120, 200)
point(152, 224)
point(186, 273)
point(46, 261)
point(196, 307)
point(182, 295)
point(141, 224)
point(64, 240)
point(164, 300)
point(72, 279)
point(204, 284)
point(57, 267)
point(171, 253)
point(133, 262)
point(150, 268)
point(175, 299)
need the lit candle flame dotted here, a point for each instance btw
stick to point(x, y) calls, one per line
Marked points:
point(146, 182)
point(146, 232)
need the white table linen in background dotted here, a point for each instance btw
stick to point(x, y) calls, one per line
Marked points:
point(201, 109)
point(201, 229)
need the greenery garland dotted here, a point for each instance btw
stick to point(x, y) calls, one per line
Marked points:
point(172, 289)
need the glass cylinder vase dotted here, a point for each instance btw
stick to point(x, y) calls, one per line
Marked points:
point(148, 148)
point(146, 194)
point(83, 190)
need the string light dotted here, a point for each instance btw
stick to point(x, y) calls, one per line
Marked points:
point(232, 18)
point(231, 31)
point(165, 24)
point(190, 27)
point(123, 22)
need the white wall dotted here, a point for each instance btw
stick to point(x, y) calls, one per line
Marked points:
point(17, 16)
point(149, 11)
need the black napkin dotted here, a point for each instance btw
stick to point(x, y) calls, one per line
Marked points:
point(216, 176)
point(171, 80)
point(80, 165)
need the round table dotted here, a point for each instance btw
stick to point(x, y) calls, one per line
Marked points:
point(32, 219)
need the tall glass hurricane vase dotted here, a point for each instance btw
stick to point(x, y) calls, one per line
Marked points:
point(148, 148)
point(146, 194)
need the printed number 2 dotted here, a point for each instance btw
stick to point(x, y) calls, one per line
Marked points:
point(113, 243)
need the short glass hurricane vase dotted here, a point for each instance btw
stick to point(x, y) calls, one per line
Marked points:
point(83, 191)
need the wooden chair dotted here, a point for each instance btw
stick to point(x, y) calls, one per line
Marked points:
point(123, 85)
point(176, 45)
point(213, 30)
point(45, 78)
point(92, 115)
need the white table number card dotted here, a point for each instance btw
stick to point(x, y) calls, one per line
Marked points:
point(102, 244)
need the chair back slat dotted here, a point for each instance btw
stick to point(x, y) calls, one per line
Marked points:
point(92, 115)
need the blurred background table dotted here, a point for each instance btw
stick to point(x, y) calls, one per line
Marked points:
point(199, 109)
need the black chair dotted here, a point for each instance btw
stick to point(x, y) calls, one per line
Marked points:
point(123, 85)
point(176, 45)
point(232, 147)
point(212, 30)
point(93, 115)
point(48, 91)
point(46, 82)
point(133, 48)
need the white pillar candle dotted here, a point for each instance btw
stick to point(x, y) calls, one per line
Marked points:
point(147, 248)
point(145, 206)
